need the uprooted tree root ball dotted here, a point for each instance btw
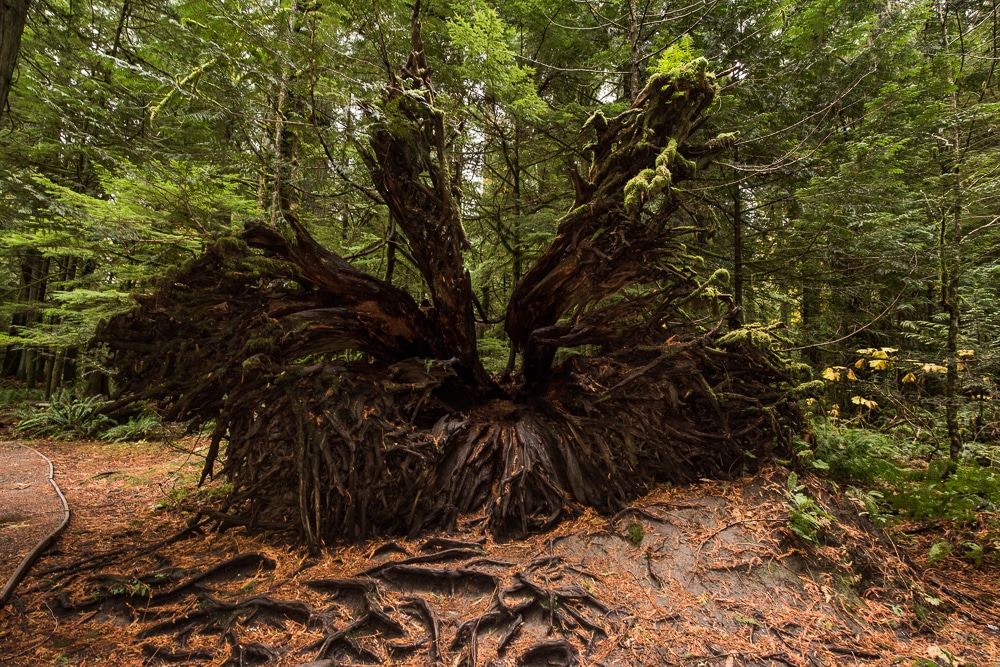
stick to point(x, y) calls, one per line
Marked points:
point(349, 409)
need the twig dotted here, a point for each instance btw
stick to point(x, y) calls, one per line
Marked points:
point(853, 652)
point(44, 641)
point(701, 546)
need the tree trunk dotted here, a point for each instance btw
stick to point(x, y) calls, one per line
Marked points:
point(950, 239)
point(736, 321)
point(13, 16)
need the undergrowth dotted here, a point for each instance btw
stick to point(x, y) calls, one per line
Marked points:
point(889, 473)
point(69, 417)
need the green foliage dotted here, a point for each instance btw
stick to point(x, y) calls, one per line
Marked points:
point(65, 417)
point(16, 395)
point(635, 533)
point(130, 587)
point(938, 552)
point(142, 427)
point(485, 42)
point(941, 491)
point(678, 54)
point(895, 482)
point(854, 454)
point(974, 553)
point(806, 518)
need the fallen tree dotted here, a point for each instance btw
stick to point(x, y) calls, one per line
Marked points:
point(349, 409)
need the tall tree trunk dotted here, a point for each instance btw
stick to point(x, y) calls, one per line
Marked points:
point(634, 73)
point(950, 240)
point(737, 318)
point(13, 16)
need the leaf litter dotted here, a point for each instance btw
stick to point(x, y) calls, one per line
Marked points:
point(146, 576)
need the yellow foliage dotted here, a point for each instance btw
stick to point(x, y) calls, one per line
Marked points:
point(934, 368)
point(831, 375)
point(909, 377)
point(861, 400)
point(851, 375)
point(860, 363)
point(866, 351)
point(966, 353)
point(880, 364)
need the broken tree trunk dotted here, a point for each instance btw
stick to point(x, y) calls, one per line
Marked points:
point(350, 410)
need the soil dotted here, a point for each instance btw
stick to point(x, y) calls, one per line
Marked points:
point(30, 509)
point(705, 574)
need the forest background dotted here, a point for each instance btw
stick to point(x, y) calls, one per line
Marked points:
point(857, 215)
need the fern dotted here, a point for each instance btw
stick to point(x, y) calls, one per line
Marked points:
point(136, 428)
point(806, 518)
point(65, 418)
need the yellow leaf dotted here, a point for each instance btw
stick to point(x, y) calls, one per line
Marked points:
point(880, 365)
point(890, 350)
point(966, 353)
point(851, 375)
point(933, 368)
point(860, 363)
point(866, 351)
point(909, 377)
point(880, 354)
point(831, 375)
point(810, 401)
point(861, 400)
point(960, 366)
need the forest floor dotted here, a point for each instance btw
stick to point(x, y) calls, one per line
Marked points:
point(708, 574)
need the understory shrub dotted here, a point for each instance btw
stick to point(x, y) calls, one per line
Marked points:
point(67, 417)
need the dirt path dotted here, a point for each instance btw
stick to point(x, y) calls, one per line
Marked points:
point(707, 575)
point(31, 511)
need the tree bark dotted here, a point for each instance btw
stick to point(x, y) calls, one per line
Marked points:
point(13, 17)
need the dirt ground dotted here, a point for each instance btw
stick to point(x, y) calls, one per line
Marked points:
point(30, 508)
point(702, 575)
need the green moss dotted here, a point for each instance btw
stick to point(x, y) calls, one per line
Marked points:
point(644, 186)
point(667, 155)
point(598, 121)
point(635, 533)
point(748, 335)
point(811, 388)
point(231, 244)
point(720, 277)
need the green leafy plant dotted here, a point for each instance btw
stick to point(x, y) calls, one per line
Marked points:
point(806, 518)
point(131, 587)
point(65, 417)
point(939, 491)
point(974, 553)
point(137, 428)
point(855, 454)
point(14, 395)
point(938, 552)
